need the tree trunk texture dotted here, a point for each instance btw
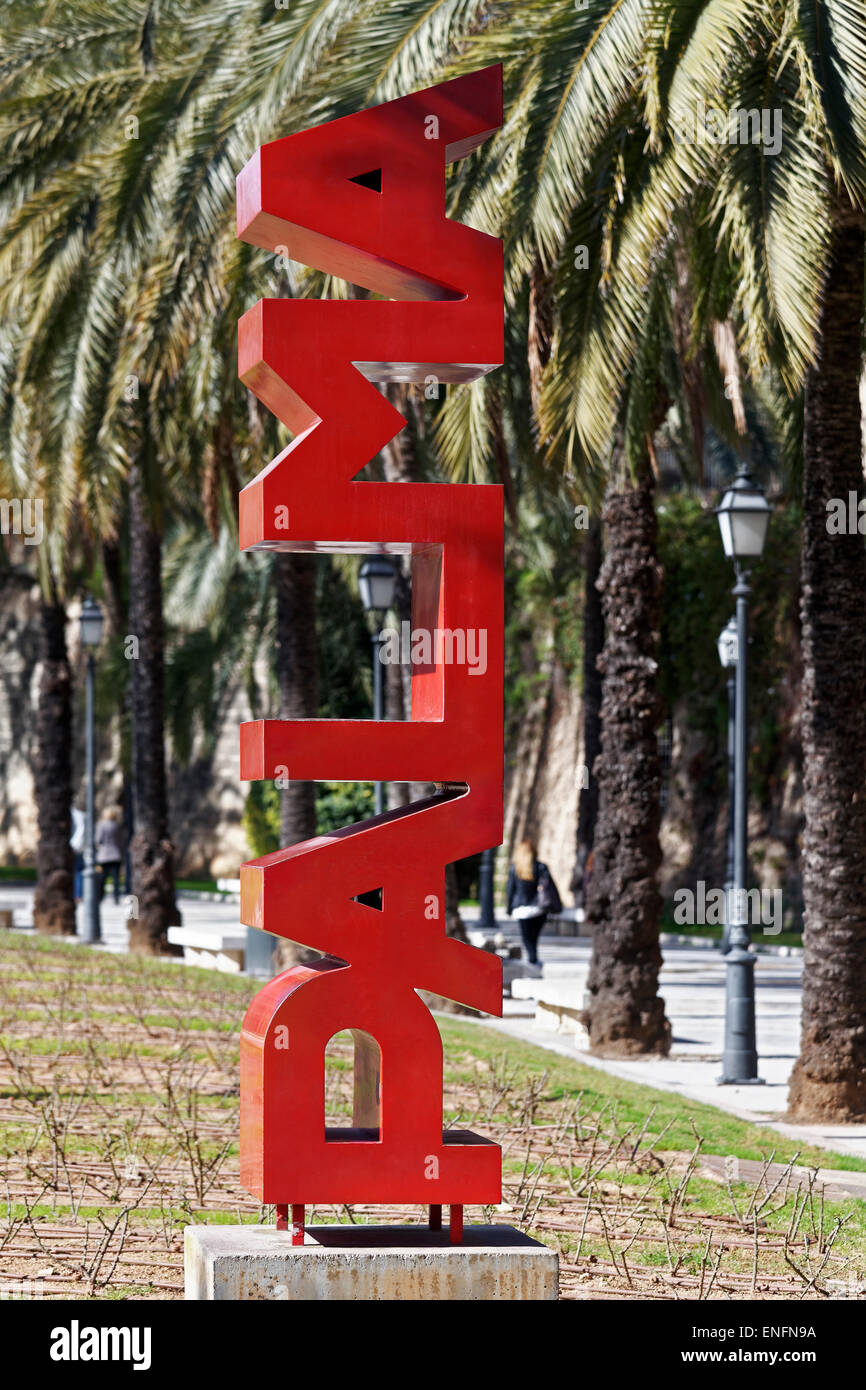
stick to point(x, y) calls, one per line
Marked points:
point(593, 644)
point(117, 627)
point(112, 588)
point(298, 679)
point(152, 853)
point(829, 1079)
point(625, 1015)
point(54, 902)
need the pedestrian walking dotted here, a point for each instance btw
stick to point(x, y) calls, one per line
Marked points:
point(531, 896)
point(109, 853)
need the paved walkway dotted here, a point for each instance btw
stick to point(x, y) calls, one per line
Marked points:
point(692, 985)
point(196, 911)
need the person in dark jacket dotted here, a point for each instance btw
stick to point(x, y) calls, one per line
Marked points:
point(109, 852)
point(530, 896)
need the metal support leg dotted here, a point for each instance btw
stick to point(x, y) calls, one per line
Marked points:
point(435, 1222)
point(282, 1216)
point(297, 1223)
point(456, 1225)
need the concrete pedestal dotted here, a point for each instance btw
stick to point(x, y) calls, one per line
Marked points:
point(214, 947)
point(367, 1263)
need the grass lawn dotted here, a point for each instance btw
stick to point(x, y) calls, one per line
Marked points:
point(714, 933)
point(119, 1121)
point(721, 1132)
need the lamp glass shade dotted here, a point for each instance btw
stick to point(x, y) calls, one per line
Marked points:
point(727, 645)
point(744, 515)
point(91, 623)
point(377, 582)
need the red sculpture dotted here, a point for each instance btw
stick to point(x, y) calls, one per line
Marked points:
point(316, 365)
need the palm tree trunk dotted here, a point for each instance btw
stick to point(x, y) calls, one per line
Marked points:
point(116, 613)
point(54, 902)
point(112, 571)
point(298, 679)
point(152, 853)
point(625, 1015)
point(593, 644)
point(829, 1079)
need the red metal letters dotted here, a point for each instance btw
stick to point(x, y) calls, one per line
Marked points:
point(316, 365)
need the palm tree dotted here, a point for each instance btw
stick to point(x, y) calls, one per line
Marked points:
point(788, 215)
point(829, 1077)
point(151, 851)
point(54, 902)
point(107, 319)
point(29, 466)
point(640, 255)
point(593, 644)
point(624, 1013)
point(539, 346)
point(557, 181)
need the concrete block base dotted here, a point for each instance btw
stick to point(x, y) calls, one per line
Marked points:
point(367, 1263)
point(215, 948)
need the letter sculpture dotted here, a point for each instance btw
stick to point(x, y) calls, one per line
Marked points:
point(363, 198)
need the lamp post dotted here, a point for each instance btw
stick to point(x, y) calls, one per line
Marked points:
point(377, 582)
point(727, 649)
point(485, 890)
point(744, 515)
point(91, 636)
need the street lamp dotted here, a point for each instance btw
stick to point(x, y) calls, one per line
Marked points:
point(727, 649)
point(744, 514)
point(91, 636)
point(377, 582)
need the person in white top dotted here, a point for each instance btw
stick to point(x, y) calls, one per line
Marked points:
point(76, 844)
